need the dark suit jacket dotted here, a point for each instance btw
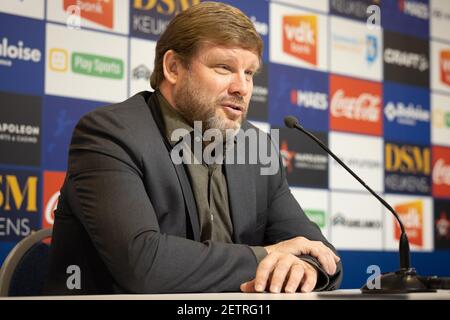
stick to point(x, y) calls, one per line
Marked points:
point(127, 215)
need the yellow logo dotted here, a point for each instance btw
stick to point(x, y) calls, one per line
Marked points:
point(59, 60)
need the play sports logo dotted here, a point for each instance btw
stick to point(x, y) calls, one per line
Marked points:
point(300, 37)
point(86, 64)
point(98, 11)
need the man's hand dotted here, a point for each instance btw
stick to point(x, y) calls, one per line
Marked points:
point(280, 271)
point(302, 246)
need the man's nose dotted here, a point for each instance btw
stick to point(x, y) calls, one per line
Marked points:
point(240, 84)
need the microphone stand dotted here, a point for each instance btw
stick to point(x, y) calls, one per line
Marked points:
point(406, 278)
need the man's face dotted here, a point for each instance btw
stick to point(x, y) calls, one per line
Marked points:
point(217, 86)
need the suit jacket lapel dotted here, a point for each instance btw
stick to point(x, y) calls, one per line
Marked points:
point(179, 169)
point(242, 198)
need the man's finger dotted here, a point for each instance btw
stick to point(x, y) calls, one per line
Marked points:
point(309, 279)
point(248, 287)
point(295, 277)
point(264, 270)
point(279, 275)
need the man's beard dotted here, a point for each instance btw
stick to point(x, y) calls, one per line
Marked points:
point(193, 105)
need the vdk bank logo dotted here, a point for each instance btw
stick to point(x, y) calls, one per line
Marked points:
point(300, 37)
point(86, 64)
point(98, 11)
point(445, 67)
point(441, 172)
point(411, 214)
point(18, 206)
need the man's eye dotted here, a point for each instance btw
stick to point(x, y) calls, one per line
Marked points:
point(223, 68)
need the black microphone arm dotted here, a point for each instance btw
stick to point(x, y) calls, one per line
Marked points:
point(405, 279)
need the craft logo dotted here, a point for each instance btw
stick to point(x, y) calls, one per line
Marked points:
point(407, 168)
point(52, 184)
point(10, 52)
point(86, 64)
point(411, 215)
point(341, 220)
point(408, 114)
point(441, 172)
point(406, 59)
point(414, 9)
point(445, 67)
point(317, 216)
point(300, 37)
point(98, 11)
point(355, 105)
point(149, 18)
point(19, 205)
point(309, 99)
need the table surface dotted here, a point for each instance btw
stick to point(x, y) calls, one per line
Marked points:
point(338, 294)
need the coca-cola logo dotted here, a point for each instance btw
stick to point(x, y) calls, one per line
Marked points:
point(51, 206)
point(441, 173)
point(364, 107)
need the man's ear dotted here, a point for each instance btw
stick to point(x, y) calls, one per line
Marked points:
point(171, 66)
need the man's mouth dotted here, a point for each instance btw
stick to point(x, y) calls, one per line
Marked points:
point(233, 109)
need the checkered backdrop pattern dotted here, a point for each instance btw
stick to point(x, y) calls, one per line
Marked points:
point(370, 78)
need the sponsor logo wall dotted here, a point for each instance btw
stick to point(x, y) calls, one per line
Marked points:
point(379, 96)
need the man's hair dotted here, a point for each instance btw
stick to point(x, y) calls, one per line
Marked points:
point(213, 22)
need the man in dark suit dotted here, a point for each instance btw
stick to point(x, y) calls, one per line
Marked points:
point(133, 220)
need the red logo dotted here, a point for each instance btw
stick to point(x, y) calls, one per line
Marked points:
point(300, 37)
point(355, 106)
point(411, 214)
point(443, 226)
point(445, 67)
point(287, 156)
point(98, 11)
point(441, 172)
point(52, 184)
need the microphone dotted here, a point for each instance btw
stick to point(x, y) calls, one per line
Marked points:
point(406, 278)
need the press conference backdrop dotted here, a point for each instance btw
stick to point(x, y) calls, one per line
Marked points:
point(379, 97)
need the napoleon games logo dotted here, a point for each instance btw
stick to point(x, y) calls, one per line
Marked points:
point(411, 215)
point(414, 8)
point(10, 52)
point(300, 35)
point(445, 67)
point(86, 64)
point(98, 11)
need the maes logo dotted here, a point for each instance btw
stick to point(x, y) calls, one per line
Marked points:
point(98, 11)
point(17, 201)
point(300, 37)
point(411, 214)
point(414, 8)
point(86, 64)
point(309, 99)
point(20, 52)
